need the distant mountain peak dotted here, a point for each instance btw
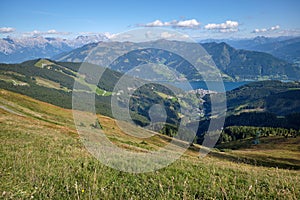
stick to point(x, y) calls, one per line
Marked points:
point(13, 50)
point(9, 40)
point(233, 63)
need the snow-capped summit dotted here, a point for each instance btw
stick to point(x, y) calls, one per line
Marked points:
point(14, 50)
point(86, 39)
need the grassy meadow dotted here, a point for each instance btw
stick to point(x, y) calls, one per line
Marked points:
point(42, 158)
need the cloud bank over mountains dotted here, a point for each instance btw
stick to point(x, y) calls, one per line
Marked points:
point(228, 26)
point(263, 30)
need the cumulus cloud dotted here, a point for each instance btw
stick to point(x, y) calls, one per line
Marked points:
point(123, 37)
point(7, 29)
point(191, 23)
point(228, 26)
point(52, 31)
point(173, 36)
point(154, 35)
point(263, 30)
point(156, 23)
point(275, 28)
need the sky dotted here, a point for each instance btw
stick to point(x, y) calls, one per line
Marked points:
point(198, 18)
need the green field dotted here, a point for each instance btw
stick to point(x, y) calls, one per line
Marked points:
point(42, 158)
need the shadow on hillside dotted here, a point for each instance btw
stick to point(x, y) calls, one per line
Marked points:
point(283, 163)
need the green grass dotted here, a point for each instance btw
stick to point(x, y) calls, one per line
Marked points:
point(46, 160)
point(165, 96)
point(43, 63)
point(92, 87)
point(273, 151)
point(47, 83)
point(10, 79)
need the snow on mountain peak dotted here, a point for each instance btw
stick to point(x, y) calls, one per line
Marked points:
point(24, 48)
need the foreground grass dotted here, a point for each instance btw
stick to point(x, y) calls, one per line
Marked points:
point(272, 151)
point(41, 159)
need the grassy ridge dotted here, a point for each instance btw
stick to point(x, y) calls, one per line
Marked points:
point(53, 82)
point(42, 157)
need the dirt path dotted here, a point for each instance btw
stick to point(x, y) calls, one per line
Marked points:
point(9, 110)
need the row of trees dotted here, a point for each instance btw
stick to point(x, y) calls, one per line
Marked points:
point(234, 133)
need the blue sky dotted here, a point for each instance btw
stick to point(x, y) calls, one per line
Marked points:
point(203, 19)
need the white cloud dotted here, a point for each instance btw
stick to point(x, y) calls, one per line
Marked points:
point(49, 32)
point(264, 30)
point(151, 35)
point(288, 32)
point(156, 23)
point(275, 28)
point(228, 26)
point(191, 23)
point(173, 36)
point(120, 37)
point(52, 31)
point(7, 30)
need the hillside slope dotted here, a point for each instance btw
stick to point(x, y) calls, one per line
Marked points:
point(285, 47)
point(42, 157)
point(279, 98)
point(245, 64)
point(287, 50)
point(53, 82)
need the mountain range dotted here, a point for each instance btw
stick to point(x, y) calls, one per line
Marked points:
point(286, 48)
point(245, 64)
point(15, 50)
point(260, 57)
point(234, 64)
point(10, 46)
